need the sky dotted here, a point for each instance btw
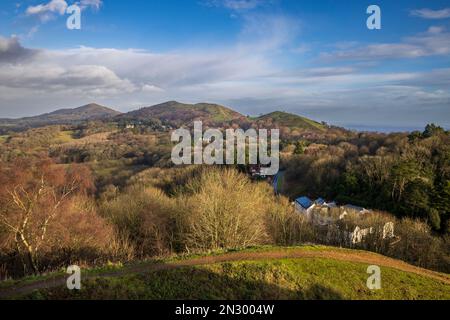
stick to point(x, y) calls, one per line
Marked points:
point(313, 58)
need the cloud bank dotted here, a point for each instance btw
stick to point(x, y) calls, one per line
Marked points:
point(434, 42)
point(12, 51)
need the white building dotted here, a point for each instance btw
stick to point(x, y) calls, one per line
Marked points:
point(319, 213)
point(358, 235)
point(305, 205)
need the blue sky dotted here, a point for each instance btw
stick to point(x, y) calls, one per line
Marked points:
point(314, 58)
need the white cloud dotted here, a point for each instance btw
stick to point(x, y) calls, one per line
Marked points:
point(237, 5)
point(97, 73)
point(302, 48)
point(434, 42)
point(84, 79)
point(435, 30)
point(431, 14)
point(263, 32)
point(48, 11)
point(151, 88)
point(243, 79)
point(87, 70)
point(246, 76)
point(58, 6)
point(94, 4)
point(12, 51)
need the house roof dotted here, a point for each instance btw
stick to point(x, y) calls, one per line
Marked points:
point(320, 201)
point(305, 202)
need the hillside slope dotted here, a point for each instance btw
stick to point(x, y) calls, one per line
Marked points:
point(264, 273)
point(284, 119)
point(177, 113)
point(90, 111)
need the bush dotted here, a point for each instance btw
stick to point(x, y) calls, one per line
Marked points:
point(77, 236)
point(143, 218)
point(287, 227)
point(434, 218)
point(223, 209)
point(420, 247)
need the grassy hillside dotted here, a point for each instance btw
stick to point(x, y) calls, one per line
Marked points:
point(171, 112)
point(291, 120)
point(90, 111)
point(180, 113)
point(262, 273)
point(177, 114)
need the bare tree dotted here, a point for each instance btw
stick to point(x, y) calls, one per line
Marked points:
point(31, 204)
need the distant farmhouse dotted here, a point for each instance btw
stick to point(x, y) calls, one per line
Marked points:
point(144, 125)
point(327, 214)
point(306, 205)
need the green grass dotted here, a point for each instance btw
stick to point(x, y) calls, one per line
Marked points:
point(115, 171)
point(255, 249)
point(30, 279)
point(218, 113)
point(181, 113)
point(292, 121)
point(264, 279)
point(64, 137)
point(306, 278)
point(3, 138)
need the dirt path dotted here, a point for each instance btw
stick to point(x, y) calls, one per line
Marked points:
point(341, 255)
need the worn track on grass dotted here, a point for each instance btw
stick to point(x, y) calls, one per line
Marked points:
point(297, 253)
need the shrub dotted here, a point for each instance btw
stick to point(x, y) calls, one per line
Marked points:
point(143, 218)
point(419, 246)
point(223, 209)
point(286, 226)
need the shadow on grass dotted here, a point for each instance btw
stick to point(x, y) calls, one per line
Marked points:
point(12, 264)
point(187, 283)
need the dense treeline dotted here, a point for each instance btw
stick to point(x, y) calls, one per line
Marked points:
point(408, 175)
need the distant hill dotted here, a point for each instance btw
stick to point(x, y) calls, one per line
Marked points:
point(172, 112)
point(284, 119)
point(177, 113)
point(90, 111)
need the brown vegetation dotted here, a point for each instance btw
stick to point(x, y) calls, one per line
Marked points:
point(44, 209)
point(93, 193)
